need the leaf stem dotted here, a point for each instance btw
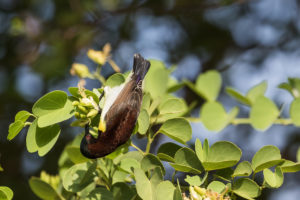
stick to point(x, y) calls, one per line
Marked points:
point(137, 148)
point(148, 144)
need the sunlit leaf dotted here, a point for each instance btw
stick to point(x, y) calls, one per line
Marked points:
point(75, 154)
point(216, 186)
point(290, 167)
point(238, 96)
point(275, 179)
point(246, 188)
point(221, 155)
point(263, 113)
point(115, 80)
point(156, 80)
point(128, 164)
point(178, 129)
point(22, 115)
point(187, 161)
point(213, 116)
point(42, 189)
point(53, 108)
point(99, 194)
point(266, 157)
point(243, 169)
point(209, 85)
point(165, 191)
point(6, 193)
point(14, 129)
point(193, 180)
point(143, 121)
point(257, 91)
point(143, 185)
point(295, 112)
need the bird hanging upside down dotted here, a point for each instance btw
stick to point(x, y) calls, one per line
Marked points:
point(119, 114)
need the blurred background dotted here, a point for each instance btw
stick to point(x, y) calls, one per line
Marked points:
point(248, 41)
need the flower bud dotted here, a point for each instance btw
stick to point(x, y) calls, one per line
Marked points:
point(92, 113)
point(80, 70)
point(82, 108)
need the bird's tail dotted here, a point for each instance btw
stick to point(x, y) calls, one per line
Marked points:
point(140, 67)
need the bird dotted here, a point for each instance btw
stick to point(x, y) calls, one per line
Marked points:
point(119, 113)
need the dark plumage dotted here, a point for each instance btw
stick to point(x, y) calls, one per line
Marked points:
point(121, 116)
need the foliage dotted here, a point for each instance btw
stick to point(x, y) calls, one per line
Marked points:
point(215, 171)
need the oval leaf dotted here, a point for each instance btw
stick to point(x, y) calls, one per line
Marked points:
point(75, 155)
point(178, 129)
point(143, 185)
point(290, 166)
point(266, 157)
point(263, 113)
point(216, 186)
point(243, 169)
point(22, 115)
point(122, 191)
point(52, 108)
point(115, 80)
point(46, 138)
point(187, 161)
point(14, 129)
point(273, 180)
point(79, 176)
point(246, 188)
point(295, 112)
point(143, 122)
point(257, 91)
point(156, 80)
point(166, 151)
point(42, 189)
point(209, 84)
point(221, 155)
point(6, 193)
point(213, 116)
point(165, 191)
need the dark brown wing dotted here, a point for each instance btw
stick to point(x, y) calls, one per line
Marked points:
point(120, 120)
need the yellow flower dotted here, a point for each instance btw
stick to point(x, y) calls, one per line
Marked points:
point(80, 70)
point(97, 56)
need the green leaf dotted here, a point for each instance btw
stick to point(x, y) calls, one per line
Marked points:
point(199, 151)
point(115, 80)
point(224, 174)
point(143, 185)
point(266, 157)
point(42, 189)
point(6, 193)
point(75, 155)
point(14, 129)
point(213, 116)
point(173, 107)
point(209, 84)
point(156, 80)
point(46, 138)
point(238, 96)
point(166, 151)
point(216, 186)
point(99, 194)
point(193, 180)
point(295, 112)
point(131, 154)
point(290, 167)
point(30, 138)
point(1, 168)
point(257, 91)
point(79, 176)
point(150, 161)
point(165, 191)
point(156, 177)
point(143, 121)
point(53, 108)
point(287, 87)
point(122, 191)
point(128, 164)
point(246, 188)
point(243, 169)
point(22, 115)
point(273, 180)
point(187, 161)
point(178, 129)
point(221, 155)
point(146, 102)
point(263, 113)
